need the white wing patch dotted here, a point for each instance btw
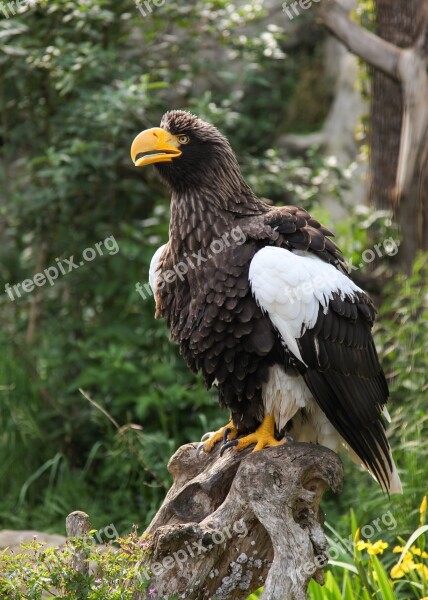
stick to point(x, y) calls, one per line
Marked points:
point(291, 286)
point(153, 272)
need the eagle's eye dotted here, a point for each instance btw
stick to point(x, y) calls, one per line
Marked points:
point(183, 139)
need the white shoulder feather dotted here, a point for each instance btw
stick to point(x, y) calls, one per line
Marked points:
point(153, 270)
point(290, 287)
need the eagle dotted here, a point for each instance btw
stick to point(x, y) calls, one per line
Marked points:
point(259, 300)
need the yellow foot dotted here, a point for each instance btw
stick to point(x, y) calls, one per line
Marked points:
point(263, 437)
point(209, 440)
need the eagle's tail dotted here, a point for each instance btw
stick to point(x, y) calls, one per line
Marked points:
point(387, 466)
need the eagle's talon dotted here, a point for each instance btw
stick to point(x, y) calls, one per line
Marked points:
point(228, 445)
point(263, 437)
point(199, 449)
point(210, 439)
point(226, 432)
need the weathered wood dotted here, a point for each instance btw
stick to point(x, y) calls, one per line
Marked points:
point(78, 525)
point(231, 524)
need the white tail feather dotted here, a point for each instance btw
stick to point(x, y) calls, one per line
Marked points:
point(395, 486)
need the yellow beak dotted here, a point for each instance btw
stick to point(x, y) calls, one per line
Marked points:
point(156, 144)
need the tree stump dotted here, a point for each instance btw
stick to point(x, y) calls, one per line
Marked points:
point(78, 525)
point(232, 524)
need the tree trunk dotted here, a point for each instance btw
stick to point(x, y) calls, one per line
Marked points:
point(231, 524)
point(398, 22)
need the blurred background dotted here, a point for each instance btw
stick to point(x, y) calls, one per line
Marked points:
point(311, 125)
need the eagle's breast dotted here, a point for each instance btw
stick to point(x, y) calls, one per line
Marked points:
point(206, 298)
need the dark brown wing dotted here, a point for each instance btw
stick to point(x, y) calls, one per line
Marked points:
point(299, 231)
point(347, 380)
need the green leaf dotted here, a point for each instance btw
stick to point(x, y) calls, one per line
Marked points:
point(382, 580)
point(420, 531)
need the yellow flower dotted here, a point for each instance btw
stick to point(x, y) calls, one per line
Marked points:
point(418, 552)
point(405, 566)
point(423, 509)
point(408, 559)
point(357, 536)
point(376, 548)
point(397, 572)
point(423, 569)
point(361, 545)
point(398, 549)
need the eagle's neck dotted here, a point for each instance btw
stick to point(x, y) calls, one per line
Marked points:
point(209, 197)
point(200, 216)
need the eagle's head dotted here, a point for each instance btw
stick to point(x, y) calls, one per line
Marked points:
point(187, 152)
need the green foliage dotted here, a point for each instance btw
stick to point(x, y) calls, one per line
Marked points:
point(295, 180)
point(38, 570)
point(366, 569)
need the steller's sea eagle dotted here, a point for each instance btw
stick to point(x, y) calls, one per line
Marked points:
point(268, 316)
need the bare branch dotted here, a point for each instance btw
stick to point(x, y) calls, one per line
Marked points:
point(368, 46)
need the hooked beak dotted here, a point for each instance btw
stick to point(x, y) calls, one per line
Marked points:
point(154, 145)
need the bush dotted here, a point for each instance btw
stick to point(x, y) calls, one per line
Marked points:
point(38, 571)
